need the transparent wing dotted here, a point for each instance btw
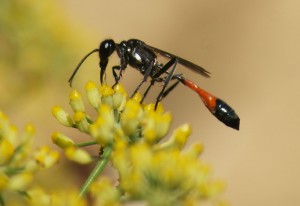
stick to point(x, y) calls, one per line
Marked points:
point(184, 62)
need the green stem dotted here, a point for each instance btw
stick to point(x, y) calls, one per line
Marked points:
point(84, 144)
point(98, 169)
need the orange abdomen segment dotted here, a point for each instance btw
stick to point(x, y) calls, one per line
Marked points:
point(208, 99)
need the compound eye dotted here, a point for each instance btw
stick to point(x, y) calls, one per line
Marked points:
point(106, 48)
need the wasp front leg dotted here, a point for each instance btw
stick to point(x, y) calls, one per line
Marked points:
point(116, 76)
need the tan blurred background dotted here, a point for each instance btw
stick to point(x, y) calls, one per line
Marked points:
point(250, 47)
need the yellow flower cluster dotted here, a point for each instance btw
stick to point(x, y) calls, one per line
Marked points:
point(162, 174)
point(131, 133)
point(19, 162)
point(38, 197)
point(108, 102)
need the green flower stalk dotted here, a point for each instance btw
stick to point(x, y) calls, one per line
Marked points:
point(130, 135)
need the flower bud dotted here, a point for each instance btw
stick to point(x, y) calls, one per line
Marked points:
point(181, 135)
point(104, 192)
point(194, 151)
point(93, 94)
point(119, 98)
point(45, 157)
point(39, 197)
point(78, 155)
point(6, 151)
point(137, 97)
point(81, 122)
point(3, 180)
point(155, 125)
point(76, 101)
point(20, 181)
point(62, 116)
point(102, 130)
point(62, 140)
point(106, 95)
point(151, 107)
point(178, 139)
point(29, 133)
point(131, 116)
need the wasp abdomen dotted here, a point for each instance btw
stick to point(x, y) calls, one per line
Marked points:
point(226, 114)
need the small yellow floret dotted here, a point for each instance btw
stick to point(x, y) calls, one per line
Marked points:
point(75, 95)
point(78, 155)
point(106, 91)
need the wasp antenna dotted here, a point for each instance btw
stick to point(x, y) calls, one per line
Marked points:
point(78, 66)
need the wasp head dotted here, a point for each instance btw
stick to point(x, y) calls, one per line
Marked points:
point(106, 48)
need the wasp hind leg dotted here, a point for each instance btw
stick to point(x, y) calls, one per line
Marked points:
point(173, 62)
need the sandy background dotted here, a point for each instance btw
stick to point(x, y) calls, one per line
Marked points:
point(251, 48)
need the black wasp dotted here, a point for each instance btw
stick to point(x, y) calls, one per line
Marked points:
point(143, 57)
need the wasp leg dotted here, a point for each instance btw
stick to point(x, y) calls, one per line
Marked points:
point(148, 89)
point(116, 76)
point(170, 89)
point(146, 75)
point(123, 65)
point(156, 78)
point(167, 80)
point(165, 68)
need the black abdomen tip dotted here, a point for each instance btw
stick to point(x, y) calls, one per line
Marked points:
point(226, 114)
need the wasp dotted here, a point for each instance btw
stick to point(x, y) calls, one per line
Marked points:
point(143, 57)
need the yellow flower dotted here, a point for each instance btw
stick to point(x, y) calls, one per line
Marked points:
point(120, 156)
point(119, 97)
point(151, 107)
point(20, 181)
point(93, 94)
point(62, 140)
point(102, 130)
point(106, 95)
point(78, 155)
point(19, 161)
point(151, 171)
point(38, 197)
point(62, 116)
point(6, 151)
point(76, 101)
point(3, 181)
point(131, 117)
point(163, 176)
point(67, 198)
point(156, 125)
point(178, 139)
point(81, 121)
point(194, 151)
point(105, 193)
point(45, 157)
